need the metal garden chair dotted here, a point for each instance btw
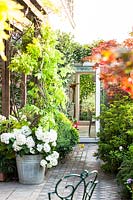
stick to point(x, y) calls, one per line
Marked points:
point(75, 186)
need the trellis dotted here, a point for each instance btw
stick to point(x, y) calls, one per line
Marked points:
point(34, 13)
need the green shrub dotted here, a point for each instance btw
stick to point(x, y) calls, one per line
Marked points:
point(116, 133)
point(8, 167)
point(67, 135)
point(126, 172)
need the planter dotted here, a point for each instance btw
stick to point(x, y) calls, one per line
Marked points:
point(29, 169)
point(2, 176)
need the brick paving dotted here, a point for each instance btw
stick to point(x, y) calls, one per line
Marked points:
point(77, 161)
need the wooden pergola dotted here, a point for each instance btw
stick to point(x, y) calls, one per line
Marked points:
point(35, 13)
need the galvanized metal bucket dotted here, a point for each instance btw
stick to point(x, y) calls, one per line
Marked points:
point(29, 169)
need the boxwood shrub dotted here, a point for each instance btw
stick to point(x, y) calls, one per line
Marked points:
point(68, 136)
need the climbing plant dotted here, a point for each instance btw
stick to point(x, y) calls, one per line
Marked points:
point(39, 61)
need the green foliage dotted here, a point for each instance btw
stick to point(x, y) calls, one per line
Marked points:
point(81, 51)
point(40, 61)
point(126, 171)
point(115, 134)
point(36, 117)
point(126, 168)
point(66, 46)
point(67, 135)
point(26, 38)
point(8, 167)
point(87, 99)
point(87, 86)
point(72, 53)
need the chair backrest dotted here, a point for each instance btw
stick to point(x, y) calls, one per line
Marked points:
point(73, 185)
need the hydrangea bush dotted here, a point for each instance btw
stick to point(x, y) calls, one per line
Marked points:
point(24, 141)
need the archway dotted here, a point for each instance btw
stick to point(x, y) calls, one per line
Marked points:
point(86, 68)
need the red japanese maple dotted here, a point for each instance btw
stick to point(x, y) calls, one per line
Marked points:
point(116, 64)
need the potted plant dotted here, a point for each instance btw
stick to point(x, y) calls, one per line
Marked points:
point(34, 149)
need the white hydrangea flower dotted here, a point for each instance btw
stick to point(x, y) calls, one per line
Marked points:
point(16, 147)
point(48, 158)
point(55, 154)
point(5, 137)
point(46, 147)
point(30, 142)
point(26, 130)
point(39, 147)
point(32, 151)
point(54, 144)
point(16, 131)
point(53, 162)
point(20, 139)
point(43, 163)
point(39, 133)
point(53, 135)
point(53, 158)
point(46, 137)
point(49, 165)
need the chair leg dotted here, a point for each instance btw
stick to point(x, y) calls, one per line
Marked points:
point(49, 196)
point(90, 123)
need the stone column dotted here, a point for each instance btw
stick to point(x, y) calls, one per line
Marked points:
point(97, 98)
point(77, 96)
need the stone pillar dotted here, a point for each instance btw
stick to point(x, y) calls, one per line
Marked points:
point(77, 96)
point(97, 98)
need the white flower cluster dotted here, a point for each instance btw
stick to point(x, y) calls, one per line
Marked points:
point(40, 142)
point(49, 136)
point(51, 160)
point(19, 137)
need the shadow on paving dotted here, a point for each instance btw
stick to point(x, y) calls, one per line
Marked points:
point(76, 162)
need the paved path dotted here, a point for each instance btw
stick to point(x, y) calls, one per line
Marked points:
point(79, 159)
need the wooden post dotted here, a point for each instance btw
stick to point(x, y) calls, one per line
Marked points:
point(6, 83)
point(23, 90)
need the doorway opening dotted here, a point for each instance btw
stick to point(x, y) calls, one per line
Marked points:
point(87, 111)
point(84, 110)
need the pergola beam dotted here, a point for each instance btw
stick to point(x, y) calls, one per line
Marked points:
point(33, 9)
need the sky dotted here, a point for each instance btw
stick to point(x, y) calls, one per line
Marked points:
point(103, 19)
